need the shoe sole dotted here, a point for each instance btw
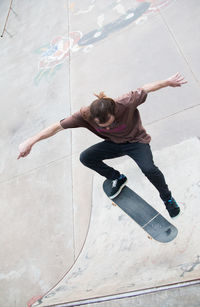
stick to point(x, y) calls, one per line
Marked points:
point(119, 191)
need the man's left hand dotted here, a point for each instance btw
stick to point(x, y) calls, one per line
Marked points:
point(176, 80)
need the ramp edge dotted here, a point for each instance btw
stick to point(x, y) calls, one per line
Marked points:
point(128, 294)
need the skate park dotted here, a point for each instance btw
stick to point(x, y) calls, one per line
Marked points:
point(63, 243)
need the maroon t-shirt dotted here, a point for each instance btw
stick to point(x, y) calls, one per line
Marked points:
point(127, 126)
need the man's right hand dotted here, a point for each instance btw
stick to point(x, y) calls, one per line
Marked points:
point(24, 149)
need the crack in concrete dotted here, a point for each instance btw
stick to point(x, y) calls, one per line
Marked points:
point(179, 47)
point(173, 114)
point(189, 267)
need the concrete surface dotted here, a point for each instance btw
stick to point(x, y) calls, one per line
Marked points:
point(118, 255)
point(37, 236)
point(54, 55)
point(181, 297)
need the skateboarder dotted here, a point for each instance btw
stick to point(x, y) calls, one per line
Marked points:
point(118, 122)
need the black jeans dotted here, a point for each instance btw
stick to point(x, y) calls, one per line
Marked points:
point(141, 153)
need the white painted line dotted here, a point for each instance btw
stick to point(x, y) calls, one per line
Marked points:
point(151, 220)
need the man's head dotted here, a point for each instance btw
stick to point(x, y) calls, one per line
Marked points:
point(102, 111)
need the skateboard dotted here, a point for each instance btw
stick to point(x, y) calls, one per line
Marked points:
point(143, 214)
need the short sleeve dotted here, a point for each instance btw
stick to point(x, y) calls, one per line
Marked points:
point(134, 98)
point(138, 97)
point(73, 121)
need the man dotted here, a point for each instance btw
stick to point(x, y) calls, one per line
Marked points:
point(118, 123)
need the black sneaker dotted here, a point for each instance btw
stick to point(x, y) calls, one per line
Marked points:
point(117, 186)
point(172, 207)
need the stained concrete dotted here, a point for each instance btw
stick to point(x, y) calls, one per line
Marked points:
point(37, 218)
point(40, 86)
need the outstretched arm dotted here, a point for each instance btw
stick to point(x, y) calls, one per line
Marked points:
point(25, 147)
point(174, 81)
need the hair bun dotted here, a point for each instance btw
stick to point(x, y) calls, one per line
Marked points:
point(101, 95)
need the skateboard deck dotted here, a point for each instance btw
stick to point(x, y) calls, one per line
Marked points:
point(143, 214)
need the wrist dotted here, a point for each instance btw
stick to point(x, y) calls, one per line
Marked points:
point(167, 82)
point(32, 140)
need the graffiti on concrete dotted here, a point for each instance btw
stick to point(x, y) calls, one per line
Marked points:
point(103, 31)
point(106, 20)
point(53, 55)
point(122, 15)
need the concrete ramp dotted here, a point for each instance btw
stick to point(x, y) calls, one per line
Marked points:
point(118, 257)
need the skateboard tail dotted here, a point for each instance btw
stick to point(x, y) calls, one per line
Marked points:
point(160, 231)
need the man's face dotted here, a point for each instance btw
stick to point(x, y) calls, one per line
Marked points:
point(107, 125)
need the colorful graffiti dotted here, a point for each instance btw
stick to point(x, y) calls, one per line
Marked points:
point(53, 55)
point(108, 19)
